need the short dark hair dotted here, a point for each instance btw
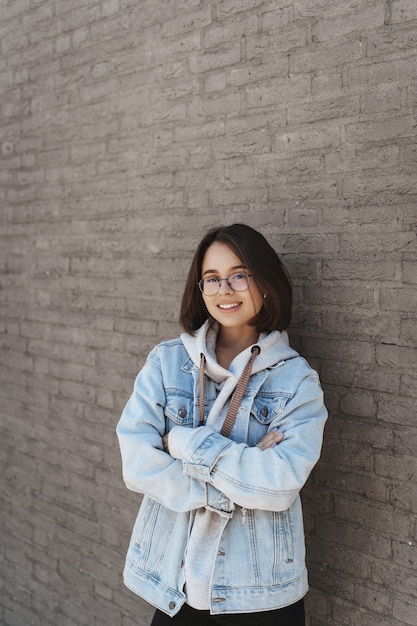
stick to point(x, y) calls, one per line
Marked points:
point(261, 260)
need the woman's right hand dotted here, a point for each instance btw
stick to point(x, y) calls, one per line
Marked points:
point(271, 439)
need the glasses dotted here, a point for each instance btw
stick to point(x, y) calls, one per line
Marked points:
point(237, 282)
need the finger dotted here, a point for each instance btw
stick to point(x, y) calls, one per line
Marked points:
point(273, 435)
point(271, 439)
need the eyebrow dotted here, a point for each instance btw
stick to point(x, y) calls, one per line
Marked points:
point(232, 269)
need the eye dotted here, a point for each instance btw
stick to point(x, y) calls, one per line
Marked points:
point(238, 276)
point(211, 280)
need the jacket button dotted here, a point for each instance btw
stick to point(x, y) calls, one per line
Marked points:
point(172, 605)
point(182, 412)
point(265, 411)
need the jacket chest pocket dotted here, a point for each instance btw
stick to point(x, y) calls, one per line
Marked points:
point(179, 410)
point(263, 412)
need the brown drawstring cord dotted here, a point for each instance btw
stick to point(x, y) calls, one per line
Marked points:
point(201, 398)
point(237, 396)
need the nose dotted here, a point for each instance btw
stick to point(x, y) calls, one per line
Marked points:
point(225, 286)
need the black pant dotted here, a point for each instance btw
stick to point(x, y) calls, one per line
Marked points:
point(187, 616)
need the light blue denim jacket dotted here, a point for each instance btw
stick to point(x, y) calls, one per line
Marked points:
point(260, 562)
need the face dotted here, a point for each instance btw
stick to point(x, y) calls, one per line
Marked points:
point(230, 308)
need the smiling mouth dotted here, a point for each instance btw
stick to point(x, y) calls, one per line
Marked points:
point(229, 307)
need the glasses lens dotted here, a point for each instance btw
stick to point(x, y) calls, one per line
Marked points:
point(209, 286)
point(239, 282)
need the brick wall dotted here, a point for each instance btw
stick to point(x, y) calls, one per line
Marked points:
point(127, 128)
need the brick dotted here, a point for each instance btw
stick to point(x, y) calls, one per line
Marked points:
point(410, 272)
point(356, 158)
point(303, 218)
point(403, 581)
point(399, 469)
point(194, 20)
point(215, 82)
point(15, 8)
point(408, 332)
point(109, 7)
point(345, 25)
point(277, 44)
point(214, 106)
point(408, 385)
point(255, 142)
point(342, 559)
point(387, 43)
point(317, 110)
point(356, 352)
point(73, 19)
point(373, 598)
point(278, 91)
point(379, 101)
point(409, 214)
point(216, 59)
point(328, 82)
point(368, 516)
point(339, 296)
point(370, 244)
point(377, 379)
point(316, 57)
point(360, 404)
point(241, 195)
point(372, 74)
point(405, 611)
point(389, 355)
point(383, 130)
point(371, 618)
point(228, 8)
point(405, 553)
point(403, 11)
point(310, 138)
point(398, 300)
point(277, 67)
point(312, 8)
point(346, 455)
point(375, 489)
point(366, 271)
point(397, 411)
point(404, 443)
point(241, 26)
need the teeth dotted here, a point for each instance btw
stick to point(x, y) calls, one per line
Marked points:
point(228, 306)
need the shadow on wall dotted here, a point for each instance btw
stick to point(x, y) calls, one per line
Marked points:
point(358, 502)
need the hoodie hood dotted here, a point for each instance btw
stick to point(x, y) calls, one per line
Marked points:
point(274, 348)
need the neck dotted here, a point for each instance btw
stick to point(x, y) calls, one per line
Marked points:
point(232, 341)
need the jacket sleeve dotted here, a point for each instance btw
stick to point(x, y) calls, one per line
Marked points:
point(146, 467)
point(256, 479)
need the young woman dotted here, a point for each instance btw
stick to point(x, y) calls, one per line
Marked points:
point(220, 434)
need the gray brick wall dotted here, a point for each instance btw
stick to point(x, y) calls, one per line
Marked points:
point(126, 129)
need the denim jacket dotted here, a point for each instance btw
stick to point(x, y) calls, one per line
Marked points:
point(260, 557)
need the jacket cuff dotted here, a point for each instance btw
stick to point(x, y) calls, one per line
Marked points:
point(202, 452)
point(218, 502)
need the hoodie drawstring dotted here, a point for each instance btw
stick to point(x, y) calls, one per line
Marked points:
point(237, 396)
point(201, 398)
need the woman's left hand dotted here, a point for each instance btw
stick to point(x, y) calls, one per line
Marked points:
point(271, 439)
point(165, 443)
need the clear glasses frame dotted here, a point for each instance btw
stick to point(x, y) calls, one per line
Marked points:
point(238, 281)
